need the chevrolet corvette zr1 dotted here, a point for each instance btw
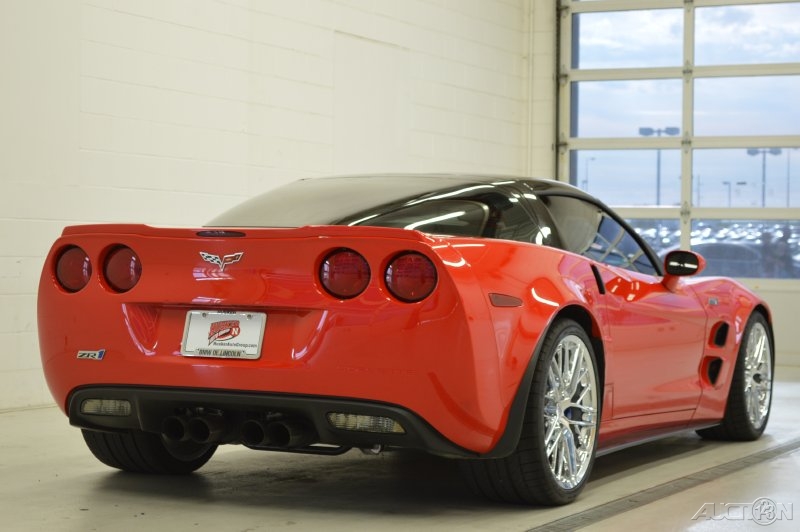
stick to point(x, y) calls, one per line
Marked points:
point(518, 325)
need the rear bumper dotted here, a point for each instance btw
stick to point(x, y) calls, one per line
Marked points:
point(151, 406)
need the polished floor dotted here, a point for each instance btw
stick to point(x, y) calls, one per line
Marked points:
point(51, 482)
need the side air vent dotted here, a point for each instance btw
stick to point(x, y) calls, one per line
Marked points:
point(712, 370)
point(601, 286)
point(719, 334)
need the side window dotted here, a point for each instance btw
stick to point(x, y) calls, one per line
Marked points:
point(513, 222)
point(588, 230)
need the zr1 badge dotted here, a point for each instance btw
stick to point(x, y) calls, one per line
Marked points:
point(92, 355)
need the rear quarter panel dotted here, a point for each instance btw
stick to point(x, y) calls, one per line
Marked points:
point(545, 281)
point(455, 359)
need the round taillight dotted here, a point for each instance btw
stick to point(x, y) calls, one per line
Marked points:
point(411, 277)
point(73, 269)
point(344, 273)
point(122, 269)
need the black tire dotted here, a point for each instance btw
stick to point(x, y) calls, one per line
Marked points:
point(528, 476)
point(145, 452)
point(750, 396)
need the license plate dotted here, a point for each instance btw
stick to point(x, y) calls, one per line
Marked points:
point(223, 334)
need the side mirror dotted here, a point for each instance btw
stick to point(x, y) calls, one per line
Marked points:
point(681, 263)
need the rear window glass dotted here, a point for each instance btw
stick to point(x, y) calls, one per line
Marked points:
point(445, 217)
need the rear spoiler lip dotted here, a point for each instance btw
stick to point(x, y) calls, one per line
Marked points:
point(308, 231)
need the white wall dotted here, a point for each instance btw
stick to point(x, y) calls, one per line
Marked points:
point(169, 111)
point(781, 296)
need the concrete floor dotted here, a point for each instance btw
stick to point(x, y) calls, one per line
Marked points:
point(50, 481)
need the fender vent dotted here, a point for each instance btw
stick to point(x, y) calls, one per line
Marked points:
point(601, 286)
point(719, 334)
point(712, 370)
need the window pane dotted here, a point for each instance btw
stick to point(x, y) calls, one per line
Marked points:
point(629, 177)
point(621, 108)
point(747, 106)
point(747, 34)
point(589, 231)
point(662, 235)
point(445, 217)
point(755, 177)
point(748, 248)
point(625, 39)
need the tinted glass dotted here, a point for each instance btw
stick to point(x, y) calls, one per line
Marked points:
point(488, 215)
point(331, 200)
point(443, 205)
point(446, 217)
point(586, 229)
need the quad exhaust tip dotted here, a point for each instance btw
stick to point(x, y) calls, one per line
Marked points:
point(205, 429)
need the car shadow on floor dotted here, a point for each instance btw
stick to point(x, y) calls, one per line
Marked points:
point(393, 482)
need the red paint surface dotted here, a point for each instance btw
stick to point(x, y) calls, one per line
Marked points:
point(454, 358)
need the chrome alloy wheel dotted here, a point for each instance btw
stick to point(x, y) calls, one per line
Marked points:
point(757, 375)
point(570, 412)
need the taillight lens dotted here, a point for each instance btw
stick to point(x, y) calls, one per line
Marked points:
point(122, 269)
point(73, 269)
point(411, 277)
point(344, 273)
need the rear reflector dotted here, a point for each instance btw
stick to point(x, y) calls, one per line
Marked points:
point(73, 269)
point(362, 423)
point(106, 407)
point(122, 269)
point(344, 273)
point(411, 277)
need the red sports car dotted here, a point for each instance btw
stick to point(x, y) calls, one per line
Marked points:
point(518, 325)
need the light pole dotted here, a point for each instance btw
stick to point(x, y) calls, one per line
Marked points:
point(789, 174)
point(586, 173)
point(763, 152)
point(649, 132)
point(728, 184)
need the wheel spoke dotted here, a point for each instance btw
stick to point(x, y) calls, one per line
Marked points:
point(583, 397)
point(757, 375)
point(571, 382)
point(570, 459)
point(552, 439)
point(570, 417)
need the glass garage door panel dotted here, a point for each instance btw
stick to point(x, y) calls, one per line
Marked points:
point(663, 235)
point(746, 177)
point(757, 34)
point(629, 177)
point(623, 108)
point(749, 248)
point(628, 39)
point(747, 106)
